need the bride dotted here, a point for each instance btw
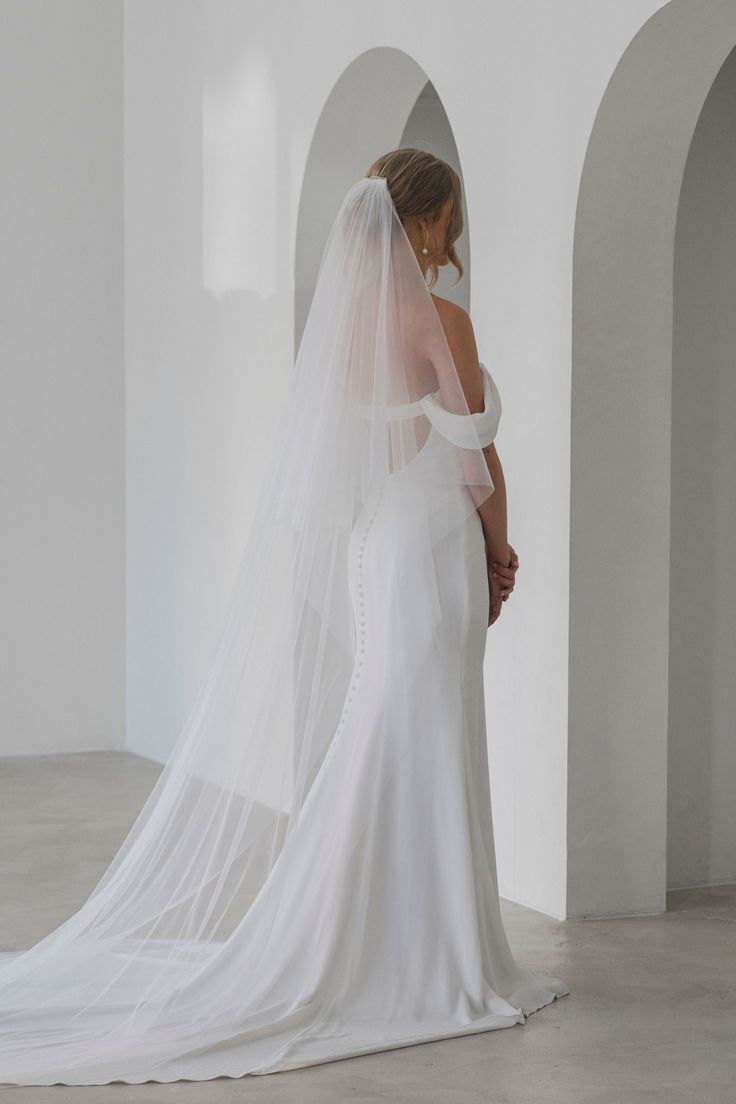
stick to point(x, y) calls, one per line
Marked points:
point(313, 875)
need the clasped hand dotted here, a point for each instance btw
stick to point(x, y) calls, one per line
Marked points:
point(500, 584)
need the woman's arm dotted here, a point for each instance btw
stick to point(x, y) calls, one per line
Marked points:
point(460, 336)
point(493, 513)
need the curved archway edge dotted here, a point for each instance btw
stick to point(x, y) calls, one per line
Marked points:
point(620, 457)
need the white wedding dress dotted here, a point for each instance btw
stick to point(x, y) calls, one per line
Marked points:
point(367, 940)
point(314, 876)
point(420, 887)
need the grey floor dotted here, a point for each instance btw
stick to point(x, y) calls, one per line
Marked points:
point(651, 1015)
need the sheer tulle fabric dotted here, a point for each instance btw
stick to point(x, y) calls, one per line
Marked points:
point(251, 918)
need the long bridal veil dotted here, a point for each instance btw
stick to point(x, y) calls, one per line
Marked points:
point(182, 945)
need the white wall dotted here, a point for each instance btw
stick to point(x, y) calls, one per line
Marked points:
point(701, 837)
point(625, 494)
point(221, 105)
point(62, 673)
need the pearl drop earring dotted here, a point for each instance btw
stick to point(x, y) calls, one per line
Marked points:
point(425, 250)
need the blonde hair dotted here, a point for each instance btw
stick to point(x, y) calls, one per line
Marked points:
point(420, 184)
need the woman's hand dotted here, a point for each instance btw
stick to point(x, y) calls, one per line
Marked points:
point(495, 604)
point(504, 577)
point(500, 584)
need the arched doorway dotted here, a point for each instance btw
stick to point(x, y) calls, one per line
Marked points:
point(403, 108)
point(621, 456)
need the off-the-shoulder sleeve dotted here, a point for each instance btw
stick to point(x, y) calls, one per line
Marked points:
point(466, 430)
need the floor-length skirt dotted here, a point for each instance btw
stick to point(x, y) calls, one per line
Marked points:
point(379, 925)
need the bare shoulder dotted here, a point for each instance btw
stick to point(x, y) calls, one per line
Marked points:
point(458, 329)
point(460, 336)
point(449, 311)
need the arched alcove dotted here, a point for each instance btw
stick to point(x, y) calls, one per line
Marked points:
point(621, 459)
point(381, 101)
point(701, 816)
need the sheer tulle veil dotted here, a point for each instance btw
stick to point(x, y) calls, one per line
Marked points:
point(180, 945)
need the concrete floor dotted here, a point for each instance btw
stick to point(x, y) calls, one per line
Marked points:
point(651, 1015)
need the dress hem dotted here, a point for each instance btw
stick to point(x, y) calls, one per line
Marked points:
point(500, 1022)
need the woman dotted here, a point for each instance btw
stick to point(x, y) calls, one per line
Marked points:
point(313, 875)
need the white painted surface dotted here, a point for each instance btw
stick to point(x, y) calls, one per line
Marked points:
point(625, 497)
point(62, 580)
point(221, 106)
point(205, 376)
point(701, 836)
